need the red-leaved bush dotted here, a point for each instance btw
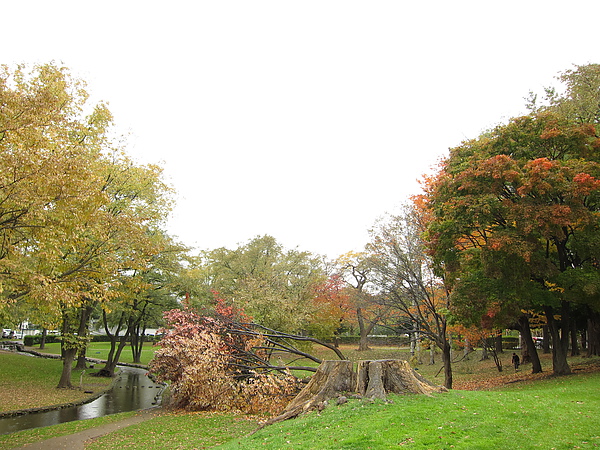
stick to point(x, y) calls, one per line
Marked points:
point(199, 357)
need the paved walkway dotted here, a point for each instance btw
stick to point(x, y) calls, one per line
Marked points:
point(77, 441)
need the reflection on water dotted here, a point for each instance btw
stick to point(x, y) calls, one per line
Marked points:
point(132, 391)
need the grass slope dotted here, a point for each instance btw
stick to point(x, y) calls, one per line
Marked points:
point(178, 431)
point(557, 413)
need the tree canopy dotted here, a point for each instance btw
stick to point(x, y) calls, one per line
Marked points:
point(274, 286)
point(75, 212)
point(516, 212)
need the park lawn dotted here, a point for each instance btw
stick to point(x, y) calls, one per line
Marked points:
point(99, 350)
point(469, 372)
point(556, 413)
point(179, 430)
point(524, 412)
point(27, 382)
point(21, 438)
point(552, 413)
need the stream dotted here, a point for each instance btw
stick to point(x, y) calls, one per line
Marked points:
point(131, 391)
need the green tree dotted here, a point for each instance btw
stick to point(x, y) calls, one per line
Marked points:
point(358, 272)
point(579, 98)
point(143, 295)
point(84, 209)
point(521, 204)
point(332, 309)
point(274, 286)
point(45, 153)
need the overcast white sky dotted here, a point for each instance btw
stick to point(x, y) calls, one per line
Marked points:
point(305, 120)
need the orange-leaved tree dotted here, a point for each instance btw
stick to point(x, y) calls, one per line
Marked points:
point(332, 309)
point(516, 217)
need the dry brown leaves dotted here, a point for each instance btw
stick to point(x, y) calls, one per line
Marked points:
point(509, 376)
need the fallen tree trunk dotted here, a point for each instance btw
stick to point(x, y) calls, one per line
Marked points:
point(372, 379)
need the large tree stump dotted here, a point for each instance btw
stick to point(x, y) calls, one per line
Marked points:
point(373, 379)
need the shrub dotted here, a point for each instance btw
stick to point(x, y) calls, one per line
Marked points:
point(509, 342)
point(30, 341)
point(375, 340)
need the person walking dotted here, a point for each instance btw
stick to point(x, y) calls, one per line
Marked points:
point(516, 361)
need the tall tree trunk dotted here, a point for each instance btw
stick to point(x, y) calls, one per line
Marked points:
point(574, 343)
point(583, 337)
point(112, 336)
point(560, 339)
point(135, 346)
point(447, 360)
point(138, 333)
point(431, 354)
point(497, 360)
point(364, 329)
point(115, 350)
point(498, 343)
point(83, 325)
point(65, 377)
point(138, 347)
point(593, 334)
point(138, 337)
point(43, 340)
point(536, 365)
point(546, 339)
point(70, 348)
point(415, 341)
point(467, 348)
point(109, 368)
point(488, 347)
point(484, 350)
point(81, 361)
point(525, 356)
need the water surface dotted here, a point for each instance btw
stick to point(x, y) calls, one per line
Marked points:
point(132, 391)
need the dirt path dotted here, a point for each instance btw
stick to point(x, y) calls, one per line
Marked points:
point(77, 441)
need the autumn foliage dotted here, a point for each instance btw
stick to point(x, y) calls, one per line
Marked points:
point(199, 357)
point(515, 223)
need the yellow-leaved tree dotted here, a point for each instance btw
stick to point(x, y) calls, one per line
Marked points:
point(75, 212)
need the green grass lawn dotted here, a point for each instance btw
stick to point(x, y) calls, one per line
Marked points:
point(21, 438)
point(27, 382)
point(99, 350)
point(555, 412)
point(178, 431)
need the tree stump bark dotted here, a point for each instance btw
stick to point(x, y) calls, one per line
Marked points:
point(376, 379)
point(372, 379)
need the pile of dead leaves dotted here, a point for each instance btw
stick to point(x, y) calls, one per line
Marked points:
point(493, 381)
